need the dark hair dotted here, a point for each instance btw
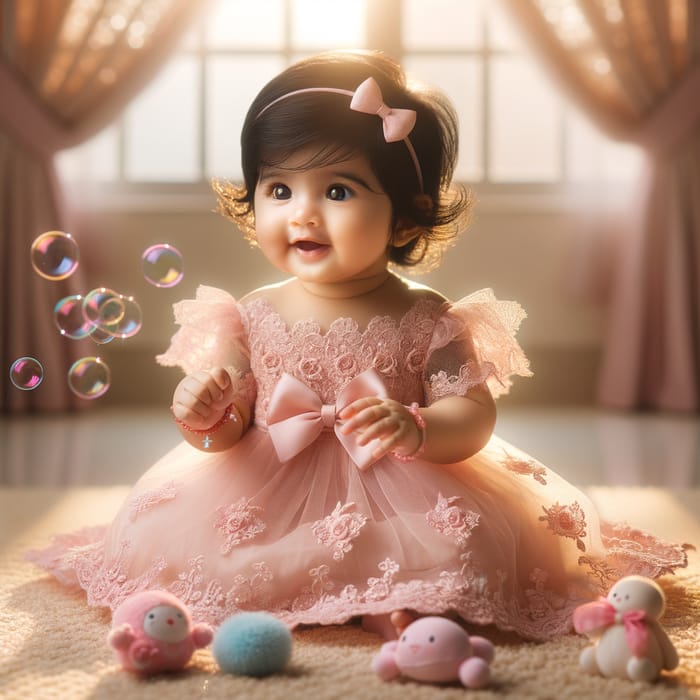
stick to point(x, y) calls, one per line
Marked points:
point(325, 121)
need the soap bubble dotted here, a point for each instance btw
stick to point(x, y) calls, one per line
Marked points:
point(89, 377)
point(69, 318)
point(26, 373)
point(162, 265)
point(103, 308)
point(130, 322)
point(54, 255)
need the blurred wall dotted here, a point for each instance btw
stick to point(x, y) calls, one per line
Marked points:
point(523, 253)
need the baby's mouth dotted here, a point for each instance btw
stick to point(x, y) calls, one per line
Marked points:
point(308, 246)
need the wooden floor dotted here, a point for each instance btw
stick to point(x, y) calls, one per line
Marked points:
point(586, 446)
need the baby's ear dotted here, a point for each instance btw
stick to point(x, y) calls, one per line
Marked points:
point(404, 233)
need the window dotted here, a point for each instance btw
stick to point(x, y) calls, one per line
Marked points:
point(514, 128)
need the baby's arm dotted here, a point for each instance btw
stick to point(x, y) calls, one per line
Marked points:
point(199, 402)
point(456, 427)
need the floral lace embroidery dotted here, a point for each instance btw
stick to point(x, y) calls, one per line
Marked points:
point(567, 521)
point(238, 522)
point(470, 375)
point(600, 570)
point(148, 499)
point(525, 467)
point(380, 588)
point(327, 361)
point(109, 580)
point(451, 520)
point(338, 530)
point(537, 612)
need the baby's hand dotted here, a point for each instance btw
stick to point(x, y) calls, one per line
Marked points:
point(201, 397)
point(385, 419)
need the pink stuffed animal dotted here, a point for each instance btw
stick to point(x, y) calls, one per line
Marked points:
point(152, 631)
point(436, 650)
point(628, 640)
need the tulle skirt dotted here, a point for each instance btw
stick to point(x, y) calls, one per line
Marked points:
point(498, 538)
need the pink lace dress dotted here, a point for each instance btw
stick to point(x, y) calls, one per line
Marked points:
point(315, 537)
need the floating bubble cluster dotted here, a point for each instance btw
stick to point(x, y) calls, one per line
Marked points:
point(101, 315)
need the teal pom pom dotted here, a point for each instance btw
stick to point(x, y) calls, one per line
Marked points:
point(252, 644)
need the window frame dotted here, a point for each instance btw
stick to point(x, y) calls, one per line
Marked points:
point(383, 32)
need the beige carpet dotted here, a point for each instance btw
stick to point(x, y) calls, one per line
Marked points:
point(53, 646)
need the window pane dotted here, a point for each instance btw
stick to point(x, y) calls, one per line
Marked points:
point(246, 24)
point(503, 35)
point(95, 160)
point(320, 24)
point(525, 134)
point(592, 157)
point(461, 80)
point(162, 126)
point(445, 24)
point(232, 83)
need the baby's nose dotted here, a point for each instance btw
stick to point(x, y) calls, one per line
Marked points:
point(305, 213)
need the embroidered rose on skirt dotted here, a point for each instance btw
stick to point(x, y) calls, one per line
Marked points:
point(567, 521)
point(238, 522)
point(451, 520)
point(337, 530)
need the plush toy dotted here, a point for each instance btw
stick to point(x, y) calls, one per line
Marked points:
point(152, 632)
point(629, 642)
point(252, 644)
point(436, 650)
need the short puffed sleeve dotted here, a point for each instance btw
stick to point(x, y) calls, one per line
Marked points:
point(211, 334)
point(474, 342)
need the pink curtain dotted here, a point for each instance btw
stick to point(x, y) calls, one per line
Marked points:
point(67, 69)
point(633, 66)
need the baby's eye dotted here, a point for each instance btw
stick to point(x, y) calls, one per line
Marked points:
point(281, 192)
point(339, 193)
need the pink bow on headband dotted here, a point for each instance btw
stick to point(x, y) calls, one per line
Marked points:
point(601, 613)
point(397, 123)
point(296, 416)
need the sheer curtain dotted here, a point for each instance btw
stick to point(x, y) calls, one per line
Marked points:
point(634, 67)
point(67, 69)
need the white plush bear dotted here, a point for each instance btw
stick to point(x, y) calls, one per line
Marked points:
point(629, 642)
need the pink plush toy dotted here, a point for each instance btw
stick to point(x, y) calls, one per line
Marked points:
point(628, 640)
point(436, 650)
point(152, 631)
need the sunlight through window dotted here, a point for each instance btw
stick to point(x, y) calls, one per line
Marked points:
point(515, 129)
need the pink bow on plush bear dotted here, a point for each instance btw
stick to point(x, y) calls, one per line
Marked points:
point(152, 631)
point(436, 650)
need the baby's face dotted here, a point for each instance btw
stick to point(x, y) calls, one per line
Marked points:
point(325, 225)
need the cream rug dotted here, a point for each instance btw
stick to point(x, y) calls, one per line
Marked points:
point(53, 646)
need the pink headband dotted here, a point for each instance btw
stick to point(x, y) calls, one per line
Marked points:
point(367, 98)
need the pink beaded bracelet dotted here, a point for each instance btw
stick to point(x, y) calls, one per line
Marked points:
point(228, 415)
point(420, 423)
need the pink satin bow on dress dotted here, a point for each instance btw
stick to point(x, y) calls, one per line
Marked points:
point(397, 123)
point(601, 613)
point(296, 416)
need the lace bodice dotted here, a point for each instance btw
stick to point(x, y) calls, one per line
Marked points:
point(434, 350)
point(327, 361)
